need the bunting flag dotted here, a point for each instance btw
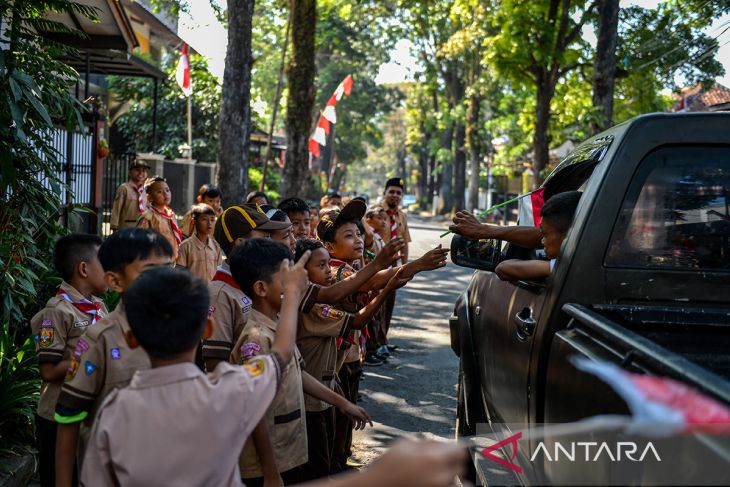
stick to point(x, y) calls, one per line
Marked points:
point(182, 74)
point(328, 117)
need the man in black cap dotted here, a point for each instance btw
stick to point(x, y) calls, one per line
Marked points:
point(130, 200)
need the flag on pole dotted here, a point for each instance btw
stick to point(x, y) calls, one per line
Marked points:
point(329, 116)
point(182, 74)
point(530, 209)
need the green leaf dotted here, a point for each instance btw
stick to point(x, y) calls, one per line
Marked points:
point(17, 92)
point(33, 99)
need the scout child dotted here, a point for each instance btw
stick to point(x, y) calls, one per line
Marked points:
point(340, 230)
point(285, 236)
point(201, 254)
point(208, 194)
point(140, 439)
point(256, 266)
point(377, 219)
point(159, 216)
point(230, 306)
point(102, 361)
point(313, 220)
point(556, 217)
point(57, 328)
point(257, 198)
point(298, 212)
point(317, 337)
point(130, 199)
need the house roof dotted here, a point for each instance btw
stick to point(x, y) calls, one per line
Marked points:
point(697, 99)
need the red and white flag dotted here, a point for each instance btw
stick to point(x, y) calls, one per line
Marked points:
point(329, 116)
point(182, 74)
point(530, 210)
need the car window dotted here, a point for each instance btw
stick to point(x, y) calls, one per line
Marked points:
point(676, 213)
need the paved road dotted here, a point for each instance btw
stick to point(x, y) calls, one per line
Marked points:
point(415, 393)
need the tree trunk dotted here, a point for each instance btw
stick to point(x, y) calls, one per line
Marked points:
point(541, 140)
point(446, 174)
point(472, 142)
point(457, 203)
point(604, 73)
point(422, 190)
point(431, 180)
point(301, 70)
point(402, 171)
point(235, 121)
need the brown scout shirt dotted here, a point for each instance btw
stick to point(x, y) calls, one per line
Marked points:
point(125, 209)
point(229, 308)
point(154, 221)
point(199, 257)
point(175, 425)
point(57, 329)
point(285, 416)
point(351, 304)
point(106, 363)
point(317, 337)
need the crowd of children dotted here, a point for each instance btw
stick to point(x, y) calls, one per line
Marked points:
point(235, 351)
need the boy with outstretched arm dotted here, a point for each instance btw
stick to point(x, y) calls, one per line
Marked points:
point(255, 266)
point(103, 360)
point(57, 329)
point(201, 254)
point(340, 230)
point(318, 335)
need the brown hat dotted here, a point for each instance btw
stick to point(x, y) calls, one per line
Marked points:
point(138, 163)
point(354, 210)
point(238, 221)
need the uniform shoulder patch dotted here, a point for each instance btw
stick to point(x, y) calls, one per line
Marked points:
point(115, 353)
point(249, 350)
point(45, 338)
point(89, 367)
point(332, 313)
point(255, 366)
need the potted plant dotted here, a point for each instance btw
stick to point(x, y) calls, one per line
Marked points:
point(103, 149)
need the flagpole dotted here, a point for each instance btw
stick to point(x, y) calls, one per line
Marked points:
point(190, 129)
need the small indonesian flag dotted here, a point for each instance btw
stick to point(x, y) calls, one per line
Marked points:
point(530, 211)
point(660, 406)
point(182, 74)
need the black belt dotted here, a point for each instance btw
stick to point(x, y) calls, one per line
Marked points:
point(288, 418)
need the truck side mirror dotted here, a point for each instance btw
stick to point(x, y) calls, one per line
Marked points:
point(484, 255)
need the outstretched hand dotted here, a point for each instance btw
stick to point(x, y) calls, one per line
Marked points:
point(295, 276)
point(433, 259)
point(411, 463)
point(357, 415)
point(467, 225)
point(397, 281)
point(390, 253)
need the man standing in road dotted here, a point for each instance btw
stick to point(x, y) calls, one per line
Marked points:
point(392, 199)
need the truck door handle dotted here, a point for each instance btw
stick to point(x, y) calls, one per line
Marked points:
point(525, 324)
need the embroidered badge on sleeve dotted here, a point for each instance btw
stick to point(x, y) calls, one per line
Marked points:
point(73, 366)
point(255, 366)
point(249, 349)
point(45, 339)
point(115, 353)
point(332, 313)
point(89, 367)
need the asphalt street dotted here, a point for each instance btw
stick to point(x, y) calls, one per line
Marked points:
point(415, 392)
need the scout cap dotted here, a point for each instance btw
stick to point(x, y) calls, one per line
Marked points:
point(238, 221)
point(354, 210)
point(138, 163)
point(394, 182)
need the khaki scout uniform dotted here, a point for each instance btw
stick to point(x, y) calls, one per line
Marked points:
point(154, 221)
point(105, 363)
point(125, 210)
point(351, 304)
point(285, 417)
point(200, 258)
point(229, 309)
point(157, 431)
point(57, 329)
point(317, 337)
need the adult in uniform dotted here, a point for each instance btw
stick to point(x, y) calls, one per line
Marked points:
point(130, 200)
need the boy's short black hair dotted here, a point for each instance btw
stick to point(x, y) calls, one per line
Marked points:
point(256, 260)
point(167, 323)
point(333, 194)
point(329, 234)
point(294, 205)
point(125, 246)
point(256, 194)
point(202, 209)
point(559, 210)
point(209, 191)
point(306, 244)
point(373, 211)
point(151, 181)
point(73, 249)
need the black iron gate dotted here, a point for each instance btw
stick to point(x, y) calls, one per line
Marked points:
point(116, 170)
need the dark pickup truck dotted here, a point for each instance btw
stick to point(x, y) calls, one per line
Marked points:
point(642, 281)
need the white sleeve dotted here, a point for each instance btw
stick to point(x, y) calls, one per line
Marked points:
point(552, 264)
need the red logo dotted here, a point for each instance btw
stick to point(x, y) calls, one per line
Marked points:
point(487, 452)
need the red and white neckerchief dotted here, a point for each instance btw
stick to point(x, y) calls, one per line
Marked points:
point(140, 197)
point(223, 274)
point(85, 306)
point(170, 216)
point(393, 222)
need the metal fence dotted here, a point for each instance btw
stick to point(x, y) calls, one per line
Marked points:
point(75, 159)
point(116, 169)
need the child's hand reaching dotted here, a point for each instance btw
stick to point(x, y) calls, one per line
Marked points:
point(397, 281)
point(433, 259)
point(295, 277)
point(390, 253)
point(357, 415)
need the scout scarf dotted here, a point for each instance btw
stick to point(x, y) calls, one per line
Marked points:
point(170, 216)
point(140, 197)
point(85, 306)
point(223, 274)
point(393, 223)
